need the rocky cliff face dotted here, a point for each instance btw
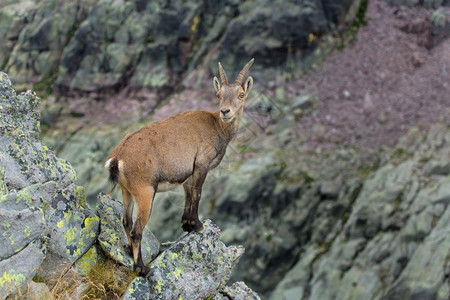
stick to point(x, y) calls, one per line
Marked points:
point(107, 45)
point(43, 212)
point(339, 224)
point(317, 222)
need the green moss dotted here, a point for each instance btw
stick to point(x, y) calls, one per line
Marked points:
point(3, 188)
point(173, 255)
point(74, 236)
point(67, 216)
point(88, 261)
point(45, 86)
point(365, 171)
point(67, 168)
point(81, 195)
point(38, 278)
point(90, 229)
point(70, 235)
point(27, 231)
point(24, 196)
point(177, 272)
point(360, 20)
point(4, 62)
point(11, 277)
point(60, 224)
point(352, 198)
point(158, 286)
point(5, 224)
point(424, 160)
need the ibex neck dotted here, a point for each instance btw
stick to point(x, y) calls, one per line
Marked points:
point(229, 130)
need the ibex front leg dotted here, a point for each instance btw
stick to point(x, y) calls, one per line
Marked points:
point(193, 191)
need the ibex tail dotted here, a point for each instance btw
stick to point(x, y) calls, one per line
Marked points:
point(113, 168)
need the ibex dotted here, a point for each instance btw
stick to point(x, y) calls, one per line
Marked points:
point(178, 150)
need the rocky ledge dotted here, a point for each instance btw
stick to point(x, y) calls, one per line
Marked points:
point(48, 229)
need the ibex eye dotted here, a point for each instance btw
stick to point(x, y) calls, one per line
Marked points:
point(241, 95)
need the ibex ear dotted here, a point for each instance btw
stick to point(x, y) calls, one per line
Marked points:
point(248, 84)
point(216, 84)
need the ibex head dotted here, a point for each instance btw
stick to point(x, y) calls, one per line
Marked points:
point(232, 95)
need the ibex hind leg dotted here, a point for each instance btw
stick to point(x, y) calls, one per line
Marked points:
point(144, 199)
point(128, 205)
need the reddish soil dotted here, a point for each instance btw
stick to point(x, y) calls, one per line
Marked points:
point(396, 75)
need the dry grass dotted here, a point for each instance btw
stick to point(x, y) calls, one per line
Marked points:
point(106, 280)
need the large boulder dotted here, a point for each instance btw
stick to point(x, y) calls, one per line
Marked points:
point(197, 266)
point(42, 210)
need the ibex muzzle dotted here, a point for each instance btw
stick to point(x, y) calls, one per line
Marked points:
point(179, 150)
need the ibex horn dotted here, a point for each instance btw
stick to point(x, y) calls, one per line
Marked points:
point(244, 71)
point(223, 76)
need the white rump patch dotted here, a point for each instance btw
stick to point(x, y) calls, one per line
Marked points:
point(120, 165)
point(107, 163)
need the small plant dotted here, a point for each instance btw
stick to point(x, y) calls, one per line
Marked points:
point(107, 280)
point(438, 18)
point(360, 20)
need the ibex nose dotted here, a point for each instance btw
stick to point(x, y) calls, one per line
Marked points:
point(224, 111)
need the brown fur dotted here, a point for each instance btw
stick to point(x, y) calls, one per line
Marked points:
point(178, 150)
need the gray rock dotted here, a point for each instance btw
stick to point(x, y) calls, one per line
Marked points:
point(293, 285)
point(196, 266)
point(330, 189)
point(19, 228)
point(38, 290)
point(426, 3)
point(74, 226)
point(427, 270)
point(138, 289)
point(112, 238)
point(239, 291)
point(17, 269)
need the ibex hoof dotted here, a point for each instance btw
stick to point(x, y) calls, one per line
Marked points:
point(142, 270)
point(198, 226)
point(186, 226)
point(191, 225)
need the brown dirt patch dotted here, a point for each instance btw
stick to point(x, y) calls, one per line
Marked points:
point(396, 75)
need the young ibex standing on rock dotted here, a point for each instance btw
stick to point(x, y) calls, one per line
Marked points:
point(178, 150)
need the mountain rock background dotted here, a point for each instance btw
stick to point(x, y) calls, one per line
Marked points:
point(338, 183)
